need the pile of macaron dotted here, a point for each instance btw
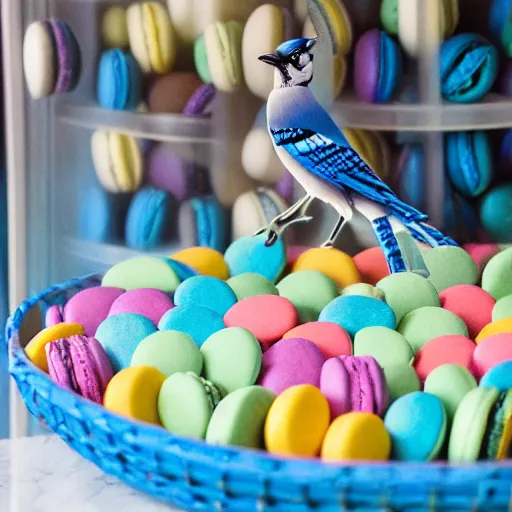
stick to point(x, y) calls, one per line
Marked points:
point(301, 352)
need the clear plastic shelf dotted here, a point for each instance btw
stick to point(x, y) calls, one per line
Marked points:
point(161, 127)
point(494, 112)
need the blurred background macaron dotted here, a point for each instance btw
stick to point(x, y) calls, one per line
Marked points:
point(500, 24)
point(114, 29)
point(267, 27)
point(377, 67)
point(410, 175)
point(149, 219)
point(117, 160)
point(495, 213)
point(255, 209)
point(119, 80)
point(203, 222)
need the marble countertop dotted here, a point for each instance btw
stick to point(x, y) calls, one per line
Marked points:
point(42, 474)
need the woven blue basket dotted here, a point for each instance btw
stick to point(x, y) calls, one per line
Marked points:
point(195, 476)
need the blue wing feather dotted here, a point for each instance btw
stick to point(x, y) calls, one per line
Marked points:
point(342, 167)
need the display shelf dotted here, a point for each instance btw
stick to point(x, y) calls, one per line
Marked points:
point(161, 127)
point(494, 112)
point(106, 255)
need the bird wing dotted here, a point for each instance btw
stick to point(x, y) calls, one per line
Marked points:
point(342, 167)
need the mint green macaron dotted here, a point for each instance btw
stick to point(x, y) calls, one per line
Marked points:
point(404, 292)
point(186, 403)
point(169, 352)
point(363, 289)
point(201, 60)
point(309, 291)
point(424, 324)
point(385, 345)
point(142, 272)
point(401, 379)
point(389, 16)
point(250, 285)
point(232, 358)
point(502, 308)
point(496, 276)
point(449, 266)
point(450, 383)
point(239, 419)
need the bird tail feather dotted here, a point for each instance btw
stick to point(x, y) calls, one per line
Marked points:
point(426, 234)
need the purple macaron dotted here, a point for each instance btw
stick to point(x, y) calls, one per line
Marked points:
point(80, 365)
point(284, 187)
point(148, 302)
point(354, 383)
point(54, 315)
point(91, 306)
point(200, 100)
point(291, 362)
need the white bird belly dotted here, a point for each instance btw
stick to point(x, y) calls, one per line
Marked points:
point(315, 186)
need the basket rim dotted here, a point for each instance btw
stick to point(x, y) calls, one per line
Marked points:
point(222, 457)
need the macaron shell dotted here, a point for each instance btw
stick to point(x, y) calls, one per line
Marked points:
point(159, 36)
point(204, 260)
point(371, 265)
point(401, 379)
point(239, 419)
point(78, 309)
point(297, 422)
point(495, 280)
point(481, 254)
point(133, 393)
point(367, 66)
point(492, 351)
point(330, 338)
point(502, 309)
point(499, 377)
point(250, 285)
point(498, 444)
point(53, 315)
point(499, 327)
point(363, 289)
point(114, 30)
point(60, 366)
point(63, 57)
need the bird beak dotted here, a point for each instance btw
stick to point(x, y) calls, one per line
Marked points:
point(270, 58)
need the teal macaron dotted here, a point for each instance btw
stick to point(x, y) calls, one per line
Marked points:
point(309, 291)
point(495, 213)
point(205, 291)
point(186, 403)
point(469, 68)
point(239, 419)
point(169, 352)
point(232, 358)
point(250, 284)
point(469, 161)
point(500, 24)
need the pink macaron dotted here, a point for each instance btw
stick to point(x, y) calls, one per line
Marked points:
point(54, 315)
point(491, 351)
point(354, 384)
point(449, 349)
point(481, 253)
point(90, 307)
point(330, 338)
point(291, 362)
point(470, 303)
point(372, 266)
point(81, 365)
point(148, 302)
point(268, 317)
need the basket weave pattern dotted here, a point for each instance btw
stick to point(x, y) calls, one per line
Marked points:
point(195, 476)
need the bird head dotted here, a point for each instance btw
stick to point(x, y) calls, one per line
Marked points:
point(294, 61)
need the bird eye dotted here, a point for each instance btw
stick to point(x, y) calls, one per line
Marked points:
point(295, 58)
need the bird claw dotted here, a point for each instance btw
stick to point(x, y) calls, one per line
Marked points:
point(273, 234)
point(327, 245)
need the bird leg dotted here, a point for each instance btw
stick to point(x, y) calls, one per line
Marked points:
point(335, 233)
point(294, 214)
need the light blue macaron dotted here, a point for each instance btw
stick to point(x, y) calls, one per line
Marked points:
point(206, 291)
point(251, 254)
point(469, 161)
point(355, 312)
point(121, 334)
point(417, 425)
point(196, 321)
point(148, 219)
point(499, 377)
point(182, 271)
point(410, 178)
point(119, 80)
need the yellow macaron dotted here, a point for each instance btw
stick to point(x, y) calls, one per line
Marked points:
point(114, 29)
point(133, 393)
point(297, 422)
point(499, 327)
point(205, 261)
point(151, 35)
point(35, 349)
point(356, 436)
point(336, 264)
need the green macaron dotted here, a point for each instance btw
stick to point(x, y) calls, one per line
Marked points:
point(424, 324)
point(385, 345)
point(405, 292)
point(186, 403)
point(450, 383)
point(496, 276)
point(239, 419)
point(201, 60)
point(169, 352)
point(401, 379)
point(502, 308)
point(363, 289)
point(389, 16)
point(249, 284)
point(232, 358)
point(449, 266)
point(309, 291)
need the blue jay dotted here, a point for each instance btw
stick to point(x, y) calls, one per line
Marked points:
point(320, 158)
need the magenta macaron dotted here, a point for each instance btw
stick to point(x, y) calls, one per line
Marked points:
point(54, 315)
point(354, 383)
point(80, 364)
